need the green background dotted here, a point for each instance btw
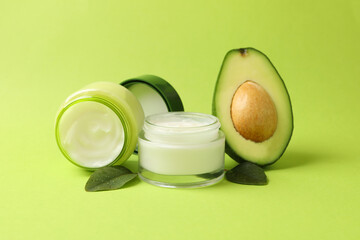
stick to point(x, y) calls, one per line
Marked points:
point(49, 49)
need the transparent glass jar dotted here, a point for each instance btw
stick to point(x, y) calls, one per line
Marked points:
point(181, 150)
point(98, 125)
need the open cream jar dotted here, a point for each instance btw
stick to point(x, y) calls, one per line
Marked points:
point(98, 125)
point(181, 150)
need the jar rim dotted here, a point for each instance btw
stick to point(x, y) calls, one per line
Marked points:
point(184, 122)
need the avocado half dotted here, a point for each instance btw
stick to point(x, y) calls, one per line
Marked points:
point(253, 106)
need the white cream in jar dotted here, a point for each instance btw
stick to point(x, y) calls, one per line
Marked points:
point(181, 149)
point(92, 134)
point(98, 125)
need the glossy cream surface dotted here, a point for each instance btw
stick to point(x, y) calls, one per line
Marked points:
point(91, 134)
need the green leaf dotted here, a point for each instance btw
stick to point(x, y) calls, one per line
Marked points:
point(109, 178)
point(247, 173)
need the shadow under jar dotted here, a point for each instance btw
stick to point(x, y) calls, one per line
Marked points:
point(181, 150)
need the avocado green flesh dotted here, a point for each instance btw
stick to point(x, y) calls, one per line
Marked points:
point(239, 66)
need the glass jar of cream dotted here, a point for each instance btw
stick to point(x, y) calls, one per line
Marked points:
point(98, 125)
point(181, 150)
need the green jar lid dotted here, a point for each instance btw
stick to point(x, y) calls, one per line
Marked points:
point(146, 87)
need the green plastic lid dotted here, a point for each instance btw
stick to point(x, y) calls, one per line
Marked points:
point(155, 94)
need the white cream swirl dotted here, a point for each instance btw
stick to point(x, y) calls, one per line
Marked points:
point(91, 134)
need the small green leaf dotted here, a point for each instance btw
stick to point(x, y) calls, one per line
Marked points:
point(247, 173)
point(109, 178)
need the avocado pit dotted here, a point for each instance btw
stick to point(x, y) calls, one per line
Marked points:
point(253, 112)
